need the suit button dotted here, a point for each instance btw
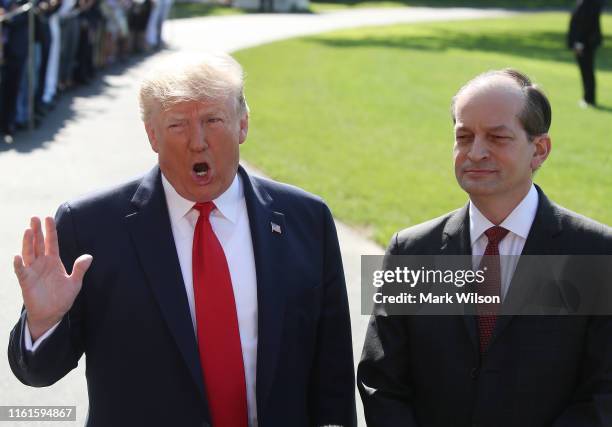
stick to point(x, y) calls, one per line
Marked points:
point(474, 374)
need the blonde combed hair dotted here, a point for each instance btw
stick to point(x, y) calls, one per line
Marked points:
point(180, 78)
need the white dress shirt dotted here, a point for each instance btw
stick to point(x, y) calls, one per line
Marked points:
point(230, 223)
point(518, 223)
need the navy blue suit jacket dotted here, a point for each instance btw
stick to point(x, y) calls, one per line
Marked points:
point(131, 318)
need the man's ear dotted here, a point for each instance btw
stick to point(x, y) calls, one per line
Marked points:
point(244, 128)
point(543, 146)
point(152, 136)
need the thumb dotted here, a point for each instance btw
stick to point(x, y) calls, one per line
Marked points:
point(81, 265)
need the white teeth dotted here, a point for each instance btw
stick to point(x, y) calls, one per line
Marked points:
point(203, 173)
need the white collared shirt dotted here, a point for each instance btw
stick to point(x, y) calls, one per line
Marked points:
point(230, 223)
point(518, 223)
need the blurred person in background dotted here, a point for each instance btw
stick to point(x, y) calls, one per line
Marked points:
point(138, 17)
point(116, 30)
point(584, 37)
point(159, 13)
point(52, 71)
point(69, 25)
point(90, 18)
point(15, 56)
point(42, 38)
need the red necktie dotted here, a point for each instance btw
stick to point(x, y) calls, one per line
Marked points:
point(217, 324)
point(487, 313)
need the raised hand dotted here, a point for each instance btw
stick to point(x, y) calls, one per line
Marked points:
point(48, 291)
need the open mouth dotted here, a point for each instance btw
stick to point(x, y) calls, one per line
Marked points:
point(201, 169)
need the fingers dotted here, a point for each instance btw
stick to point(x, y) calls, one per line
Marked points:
point(27, 248)
point(19, 268)
point(51, 244)
point(39, 239)
point(81, 265)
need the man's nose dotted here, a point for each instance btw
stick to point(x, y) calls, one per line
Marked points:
point(197, 140)
point(479, 149)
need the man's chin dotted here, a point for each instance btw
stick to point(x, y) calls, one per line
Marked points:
point(479, 189)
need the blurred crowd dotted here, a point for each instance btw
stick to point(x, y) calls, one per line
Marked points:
point(73, 41)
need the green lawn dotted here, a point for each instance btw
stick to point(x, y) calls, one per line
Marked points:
point(361, 117)
point(190, 9)
point(327, 5)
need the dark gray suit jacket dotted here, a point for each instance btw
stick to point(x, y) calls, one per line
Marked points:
point(539, 371)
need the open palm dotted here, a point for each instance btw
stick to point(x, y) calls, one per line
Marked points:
point(48, 291)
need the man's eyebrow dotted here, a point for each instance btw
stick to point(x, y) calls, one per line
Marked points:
point(175, 116)
point(461, 128)
point(499, 128)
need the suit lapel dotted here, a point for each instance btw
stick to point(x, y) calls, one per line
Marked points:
point(150, 229)
point(540, 240)
point(269, 236)
point(456, 241)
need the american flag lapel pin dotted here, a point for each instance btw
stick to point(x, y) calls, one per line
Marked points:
point(276, 228)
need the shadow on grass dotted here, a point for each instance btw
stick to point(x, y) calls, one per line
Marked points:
point(543, 45)
point(511, 4)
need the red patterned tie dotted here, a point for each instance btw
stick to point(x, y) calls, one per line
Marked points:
point(487, 313)
point(217, 324)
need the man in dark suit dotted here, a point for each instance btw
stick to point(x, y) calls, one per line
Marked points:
point(583, 38)
point(483, 369)
point(200, 294)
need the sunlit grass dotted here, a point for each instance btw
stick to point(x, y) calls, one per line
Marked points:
point(361, 116)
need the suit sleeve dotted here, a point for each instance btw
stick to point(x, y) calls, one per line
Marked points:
point(59, 353)
point(383, 379)
point(591, 404)
point(333, 384)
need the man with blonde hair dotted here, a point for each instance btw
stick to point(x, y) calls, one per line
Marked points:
point(200, 294)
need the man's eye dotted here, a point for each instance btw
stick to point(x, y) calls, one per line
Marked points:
point(500, 138)
point(214, 120)
point(462, 138)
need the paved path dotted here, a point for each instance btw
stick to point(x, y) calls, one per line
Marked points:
point(95, 138)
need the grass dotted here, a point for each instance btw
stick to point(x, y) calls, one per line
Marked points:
point(361, 117)
point(329, 5)
point(191, 9)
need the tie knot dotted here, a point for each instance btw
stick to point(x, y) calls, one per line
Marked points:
point(205, 208)
point(495, 234)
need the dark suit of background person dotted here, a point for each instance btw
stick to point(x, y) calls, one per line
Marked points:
point(583, 38)
point(132, 315)
point(15, 56)
point(538, 371)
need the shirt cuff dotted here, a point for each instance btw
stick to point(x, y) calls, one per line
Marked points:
point(29, 346)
